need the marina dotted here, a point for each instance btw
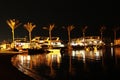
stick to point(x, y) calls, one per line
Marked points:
point(59, 40)
point(50, 58)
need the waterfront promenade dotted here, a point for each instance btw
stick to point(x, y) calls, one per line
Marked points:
point(8, 71)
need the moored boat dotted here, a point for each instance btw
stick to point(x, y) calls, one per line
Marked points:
point(88, 41)
point(37, 51)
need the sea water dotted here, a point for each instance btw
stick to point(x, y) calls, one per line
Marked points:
point(72, 65)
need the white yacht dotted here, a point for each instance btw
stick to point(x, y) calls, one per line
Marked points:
point(45, 42)
point(88, 41)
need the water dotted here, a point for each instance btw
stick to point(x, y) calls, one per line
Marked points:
point(73, 65)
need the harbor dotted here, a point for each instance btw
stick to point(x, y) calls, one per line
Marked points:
point(59, 40)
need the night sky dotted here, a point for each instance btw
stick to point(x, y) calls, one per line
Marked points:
point(61, 13)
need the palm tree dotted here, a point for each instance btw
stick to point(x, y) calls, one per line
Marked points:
point(50, 28)
point(69, 29)
point(84, 30)
point(102, 28)
point(29, 26)
point(13, 23)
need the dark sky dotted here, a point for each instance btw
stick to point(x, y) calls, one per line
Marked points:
point(61, 13)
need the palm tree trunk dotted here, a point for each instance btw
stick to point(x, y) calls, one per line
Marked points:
point(30, 36)
point(13, 35)
point(114, 35)
point(101, 35)
point(50, 38)
point(84, 38)
point(69, 46)
point(69, 37)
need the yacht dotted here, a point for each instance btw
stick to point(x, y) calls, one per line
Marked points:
point(42, 44)
point(88, 41)
point(45, 42)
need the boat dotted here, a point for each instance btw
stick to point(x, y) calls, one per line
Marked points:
point(37, 51)
point(41, 45)
point(87, 42)
point(45, 42)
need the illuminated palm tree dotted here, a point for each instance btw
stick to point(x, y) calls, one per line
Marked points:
point(13, 23)
point(50, 28)
point(29, 26)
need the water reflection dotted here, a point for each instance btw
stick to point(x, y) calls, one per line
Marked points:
point(82, 54)
point(74, 65)
point(117, 56)
point(117, 52)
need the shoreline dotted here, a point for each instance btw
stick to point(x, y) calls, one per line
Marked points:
point(8, 71)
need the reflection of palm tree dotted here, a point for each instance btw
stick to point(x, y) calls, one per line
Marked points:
point(13, 24)
point(29, 26)
point(101, 30)
point(50, 28)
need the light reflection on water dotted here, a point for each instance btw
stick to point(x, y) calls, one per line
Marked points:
point(73, 65)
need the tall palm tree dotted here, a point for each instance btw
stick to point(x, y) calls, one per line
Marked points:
point(50, 28)
point(29, 26)
point(13, 23)
point(83, 31)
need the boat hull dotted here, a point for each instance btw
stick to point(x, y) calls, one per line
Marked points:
point(37, 51)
